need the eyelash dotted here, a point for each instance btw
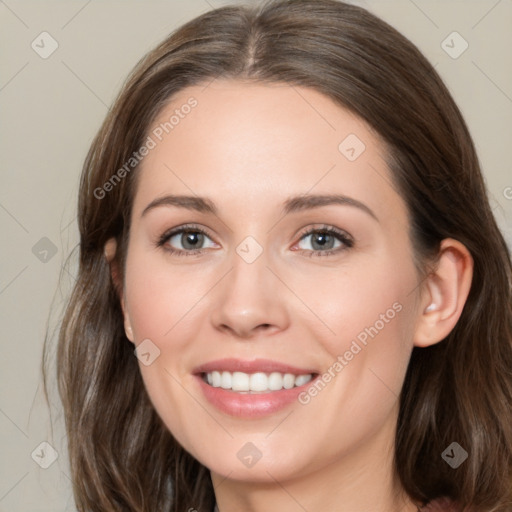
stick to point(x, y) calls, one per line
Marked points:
point(190, 228)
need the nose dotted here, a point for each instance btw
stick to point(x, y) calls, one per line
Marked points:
point(250, 300)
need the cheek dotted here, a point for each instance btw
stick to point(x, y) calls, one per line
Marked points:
point(160, 299)
point(161, 309)
point(367, 358)
point(369, 300)
point(369, 313)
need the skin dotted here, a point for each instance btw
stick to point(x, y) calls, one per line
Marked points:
point(248, 147)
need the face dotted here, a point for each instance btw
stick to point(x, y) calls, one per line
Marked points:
point(269, 283)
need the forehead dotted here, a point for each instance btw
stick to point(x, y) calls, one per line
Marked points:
point(241, 141)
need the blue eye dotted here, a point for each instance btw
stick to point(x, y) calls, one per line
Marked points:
point(324, 238)
point(193, 237)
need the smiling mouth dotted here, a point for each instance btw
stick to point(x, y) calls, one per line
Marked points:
point(255, 383)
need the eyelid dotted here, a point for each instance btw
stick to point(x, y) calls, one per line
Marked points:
point(324, 228)
point(345, 238)
point(186, 227)
point(162, 239)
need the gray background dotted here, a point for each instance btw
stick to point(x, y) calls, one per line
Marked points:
point(51, 109)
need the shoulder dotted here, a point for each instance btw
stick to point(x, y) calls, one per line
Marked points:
point(441, 505)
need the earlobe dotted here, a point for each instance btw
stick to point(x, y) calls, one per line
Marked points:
point(446, 290)
point(128, 329)
point(126, 318)
point(127, 324)
point(109, 250)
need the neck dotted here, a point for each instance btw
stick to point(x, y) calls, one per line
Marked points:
point(362, 479)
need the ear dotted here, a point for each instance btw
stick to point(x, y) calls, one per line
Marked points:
point(110, 249)
point(445, 293)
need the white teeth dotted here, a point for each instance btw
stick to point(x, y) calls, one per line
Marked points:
point(302, 379)
point(289, 380)
point(275, 381)
point(216, 379)
point(256, 382)
point(240, 381)
point(225, 380)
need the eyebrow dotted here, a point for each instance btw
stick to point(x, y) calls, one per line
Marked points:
point(291, 205)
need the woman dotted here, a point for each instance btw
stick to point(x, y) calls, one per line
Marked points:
point(292, 292)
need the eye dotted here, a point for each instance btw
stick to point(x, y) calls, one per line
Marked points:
point(323, 241)
point(191, 238)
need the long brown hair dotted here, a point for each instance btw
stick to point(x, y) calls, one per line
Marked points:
point(460, 390)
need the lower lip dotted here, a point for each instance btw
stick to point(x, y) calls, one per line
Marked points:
point(250, 405)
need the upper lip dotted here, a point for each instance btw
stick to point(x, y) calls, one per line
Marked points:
point(253, 366)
